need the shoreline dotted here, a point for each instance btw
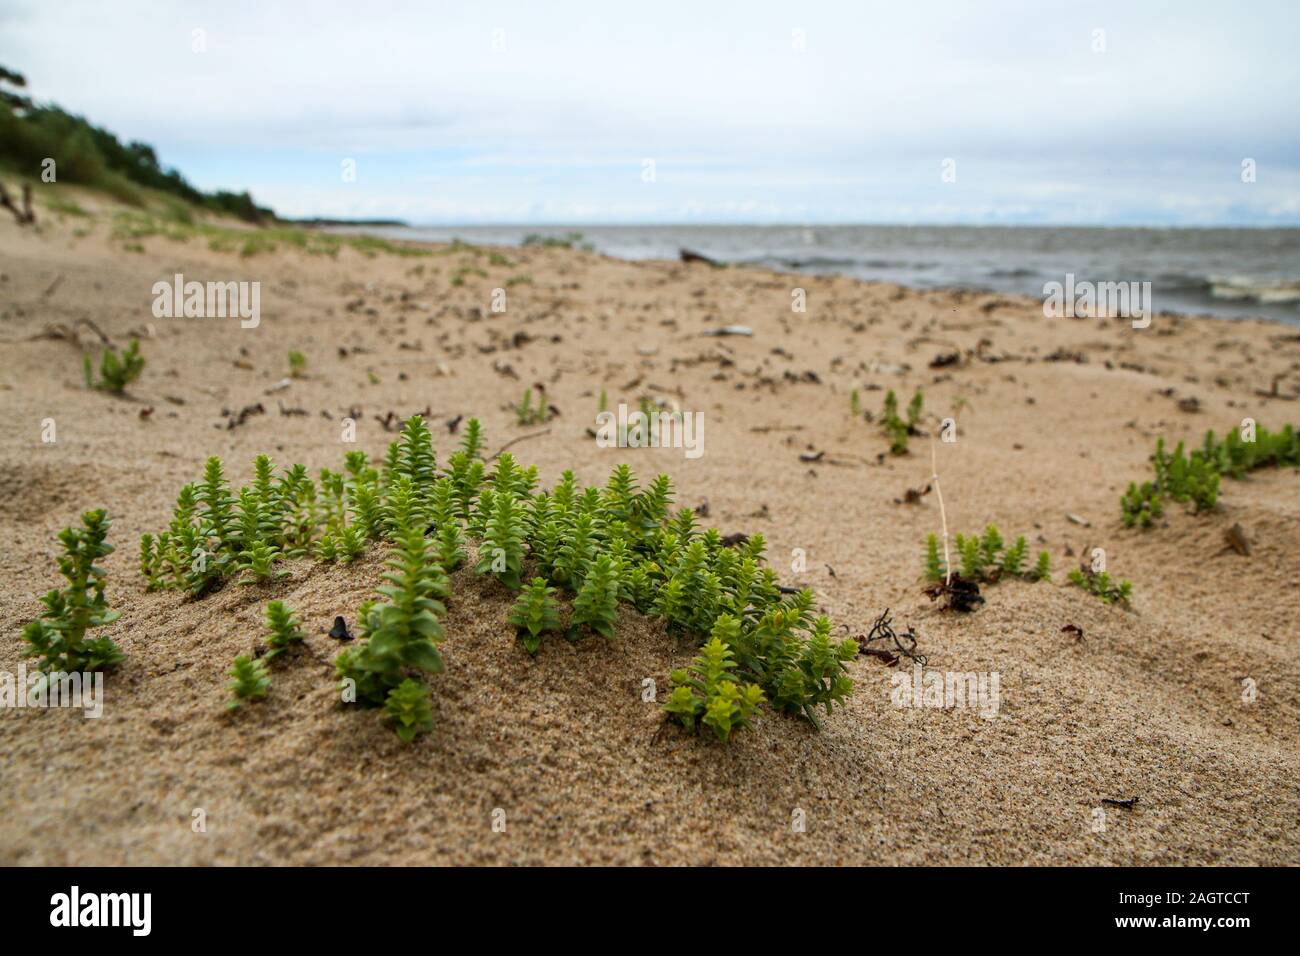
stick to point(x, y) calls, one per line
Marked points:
point(1216, 292)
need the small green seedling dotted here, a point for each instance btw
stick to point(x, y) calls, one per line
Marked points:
point(816, 674)
point(534, 614)
point(527, 413)
point(283, 629)
point(297, 364)
point(1102, 586)
point(408, 708)
point(257, 563)
point(58, 636)
point(251, 681)
point(404, 632)
point(502, 550)
point(1043, 569)
point(115, 372)
point(710, 693)
point(1141, 505)
point(152, 554)
point(596, 605)
point(446, 520)
point(899, 429)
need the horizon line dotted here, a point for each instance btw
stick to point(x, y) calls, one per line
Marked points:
point(400, 223)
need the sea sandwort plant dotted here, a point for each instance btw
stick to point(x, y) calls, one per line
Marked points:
point(58, 636)
point(594, 547)
point(116, 372)
point(283, 629)
point(709, 691)
point(897, 428)
point(986, 559)
point(250, 680)
point(1194, 478)
point(1102, 586)
point(534, 614)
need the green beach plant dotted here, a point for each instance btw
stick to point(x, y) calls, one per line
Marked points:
point(986, 558)
point(897, 428)
point(116, 372)
point(404, 632)
point(619, 542)
point(1102, 586)
point(528, 413)
point(534, 614)
point(58, 636)
point(1194, 477)
point(501, 551)
point(250, 681)
point(710, 693)
point(283, 629)
point(596, 605)
point(409, 709)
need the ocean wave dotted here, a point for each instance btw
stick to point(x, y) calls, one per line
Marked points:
point(835, 263)
point(1250, 289)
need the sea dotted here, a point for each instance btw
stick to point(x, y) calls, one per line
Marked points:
point(1229, 273)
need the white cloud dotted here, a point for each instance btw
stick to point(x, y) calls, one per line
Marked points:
point(737, 120)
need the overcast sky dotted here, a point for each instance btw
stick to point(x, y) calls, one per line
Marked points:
point(751, 111)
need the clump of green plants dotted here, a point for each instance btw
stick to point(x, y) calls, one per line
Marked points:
point(534, 614)
point(1141, 505)
point(986, 558)
point(1102, 586)
point(897, 428)
point(1194, 478)
point(593, 548)
point(116, 371)
point(283, 629)
point(58, 636)
point(297, 364)
point(709, 692)
point(250, 681)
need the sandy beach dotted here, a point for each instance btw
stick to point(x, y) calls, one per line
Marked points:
point(561, 751)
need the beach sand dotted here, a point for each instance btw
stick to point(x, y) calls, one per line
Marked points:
point(1055, 417)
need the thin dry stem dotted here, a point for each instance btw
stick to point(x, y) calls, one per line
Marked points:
point(934, 480)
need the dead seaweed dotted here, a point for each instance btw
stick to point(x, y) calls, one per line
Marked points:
point(957, 593)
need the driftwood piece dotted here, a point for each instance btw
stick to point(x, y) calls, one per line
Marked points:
point(25, 215)
point(689, 256)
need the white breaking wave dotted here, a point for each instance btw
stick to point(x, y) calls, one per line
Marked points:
point(1247, 289)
